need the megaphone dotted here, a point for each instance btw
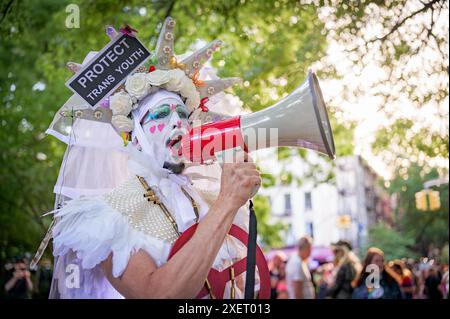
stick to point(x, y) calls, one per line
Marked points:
point(298, 120)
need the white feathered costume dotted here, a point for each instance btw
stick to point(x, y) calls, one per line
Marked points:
point(101, 210)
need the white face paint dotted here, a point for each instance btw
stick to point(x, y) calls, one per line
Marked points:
point(164, 124)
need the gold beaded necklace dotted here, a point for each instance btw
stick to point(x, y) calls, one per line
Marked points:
point(152, 197)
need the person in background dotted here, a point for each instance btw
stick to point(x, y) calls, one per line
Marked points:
point(411, 266)
point(322, 279)
point(282, 289)
point(19, 285)
point(420, 273)
point(298, 277)
point(432, 283)
point(277, 272)
point(346, 269)
point(282, 292)
point(383, 287)
point(405, 279)
point(444, 281)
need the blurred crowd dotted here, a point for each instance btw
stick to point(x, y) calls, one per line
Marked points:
point(348, 277)
point(21, 282)
point(292, 277)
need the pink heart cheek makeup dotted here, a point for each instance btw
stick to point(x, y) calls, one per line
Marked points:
point(161, 126)
point(152, 129)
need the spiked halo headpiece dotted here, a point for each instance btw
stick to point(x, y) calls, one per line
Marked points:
point(166, 72)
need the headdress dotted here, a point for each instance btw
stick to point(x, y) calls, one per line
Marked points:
point(96, 150)
point(166, 72)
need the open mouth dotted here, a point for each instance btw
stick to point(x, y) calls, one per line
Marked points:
point(174, 141)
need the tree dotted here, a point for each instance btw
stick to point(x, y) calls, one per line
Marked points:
point(444, 254)
point(271, 44)
point(271, 234)
point(394, 244)
point(396, 53)
point(36, 43)
point(426, 228)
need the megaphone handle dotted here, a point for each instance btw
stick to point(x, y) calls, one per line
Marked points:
point(221, 157)
point(254, 191)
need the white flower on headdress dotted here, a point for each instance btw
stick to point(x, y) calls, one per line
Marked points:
point(182, 84)
point(122, 122)
point(176, 82)
point(158, 77)
point(137, 85)
point(120, 103)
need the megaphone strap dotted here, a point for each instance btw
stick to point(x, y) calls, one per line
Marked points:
point(251, 255)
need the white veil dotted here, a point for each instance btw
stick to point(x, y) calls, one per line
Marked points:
point(94, 162)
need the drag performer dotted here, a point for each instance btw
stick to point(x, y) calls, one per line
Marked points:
point(132, 220)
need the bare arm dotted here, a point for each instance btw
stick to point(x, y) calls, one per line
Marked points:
point(19, 274)
point(184, 274)
point(28, 281)
point(10, 284)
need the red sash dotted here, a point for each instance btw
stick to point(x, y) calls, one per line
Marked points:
point(218, 279)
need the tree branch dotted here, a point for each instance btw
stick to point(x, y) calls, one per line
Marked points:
point(401, 22)
point(169, 9)
point(6, 10)
point(430, 220)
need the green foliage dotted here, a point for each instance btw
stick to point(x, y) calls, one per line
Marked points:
point(406, 31)
point(406, 43)
point(404, 141)
point(444, 254)
point(427, 228)
point(394, 244)
point(270, 233)
point(270, 60)
point(268, 180)
point(36, 44)
point(270, 44)
point(343, 137)
point(28, 164)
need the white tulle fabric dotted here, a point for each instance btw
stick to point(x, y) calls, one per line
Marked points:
point(95, 160)
point(87, 171)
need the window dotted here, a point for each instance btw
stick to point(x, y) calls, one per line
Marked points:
point(287, 205)
point(310, 229)
point(308, 202)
